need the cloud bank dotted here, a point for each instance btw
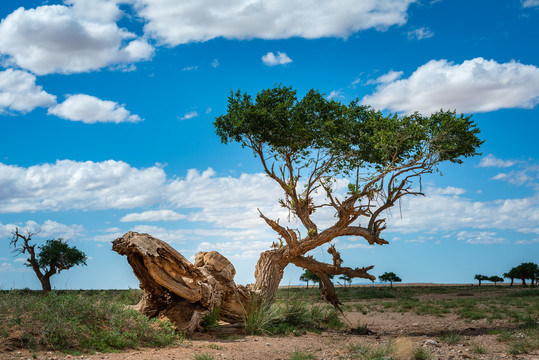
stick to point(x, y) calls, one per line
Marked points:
point(182, 22)
point(476, 85)
point(80, 37)
point(19, 92)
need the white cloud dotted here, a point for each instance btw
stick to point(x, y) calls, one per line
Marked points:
point(190, 68)
point(68, 184)
point(48, 229)
point(153, 215)
point(526, 176)
point(386, 78)
point(270, 59)
point(180, 22)
point(335, 94)
point(530, 3)
point(480, 237)
point(19, 92)
point(189, 115)
point(420, 34)
point(476, 85)
point(215, 63)
point(80, 37)
point(491, 161)
point(91, 110)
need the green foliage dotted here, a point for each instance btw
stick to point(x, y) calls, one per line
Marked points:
point(495, 279)
point(56, 253)
point(211, 320)
point(355, 133)
point(390, 277)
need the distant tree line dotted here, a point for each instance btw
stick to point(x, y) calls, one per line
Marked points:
point(523, 272)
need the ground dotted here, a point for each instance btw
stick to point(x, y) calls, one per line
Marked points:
point(435, 334)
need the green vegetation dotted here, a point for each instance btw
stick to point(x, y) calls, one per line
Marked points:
point(302, 355)
point(77, 321)
point(203, 356)
point(368, 352)
point(289, 316)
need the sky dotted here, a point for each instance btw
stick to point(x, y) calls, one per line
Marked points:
point(107, 111)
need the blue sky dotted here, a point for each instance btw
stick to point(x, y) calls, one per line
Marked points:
point(107, 106)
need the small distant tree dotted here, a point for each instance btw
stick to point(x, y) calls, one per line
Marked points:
point(51, 258)
point(346, 279)
point(529, 271)
point(480, 278)
point(495, 279)
point(309, 276)
point(511, 274)
point(389, 277)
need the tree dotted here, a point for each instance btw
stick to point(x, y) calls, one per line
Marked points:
point(495, 279)
point(309, 276)
point(480, 278)
point(309, 147)
point(346, 279)
point(527, 270)
point(511, 274)
point(390, 277)
point(53, 257)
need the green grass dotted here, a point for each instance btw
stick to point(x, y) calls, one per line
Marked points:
point(203, 356)
point(79, 321)
point(368, 352)
point(301, 355)
point(451, 338)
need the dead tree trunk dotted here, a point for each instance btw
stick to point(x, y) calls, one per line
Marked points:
point(184, 293)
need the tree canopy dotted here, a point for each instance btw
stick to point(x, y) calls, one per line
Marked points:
point(308, 145)
point(390, 277)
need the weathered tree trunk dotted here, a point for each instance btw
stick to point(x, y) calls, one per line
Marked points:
point(178, 290)
point(184, 293)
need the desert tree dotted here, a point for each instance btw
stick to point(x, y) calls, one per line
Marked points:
point(495, 279)
point(528, 270)
point(511, 274)
point(306, 145)
point(307, 276)
point(346, 279)
point(309, 147)
point(480, 278)
point(390, 277)
point(49, 259)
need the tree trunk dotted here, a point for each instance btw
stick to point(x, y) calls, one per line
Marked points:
point(184, 293)
point(45, 283)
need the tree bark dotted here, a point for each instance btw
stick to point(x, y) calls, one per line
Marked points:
point(182, 292)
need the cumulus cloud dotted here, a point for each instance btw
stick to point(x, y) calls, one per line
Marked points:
point(491, 161)
point(270, 59)
point(420, 34)
point(476, 85)
point(281, 19)
point(189, 115)
point(153, 215)
point(19, 92)
point(90, 110)
point(79, 37)
point(88, 185)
